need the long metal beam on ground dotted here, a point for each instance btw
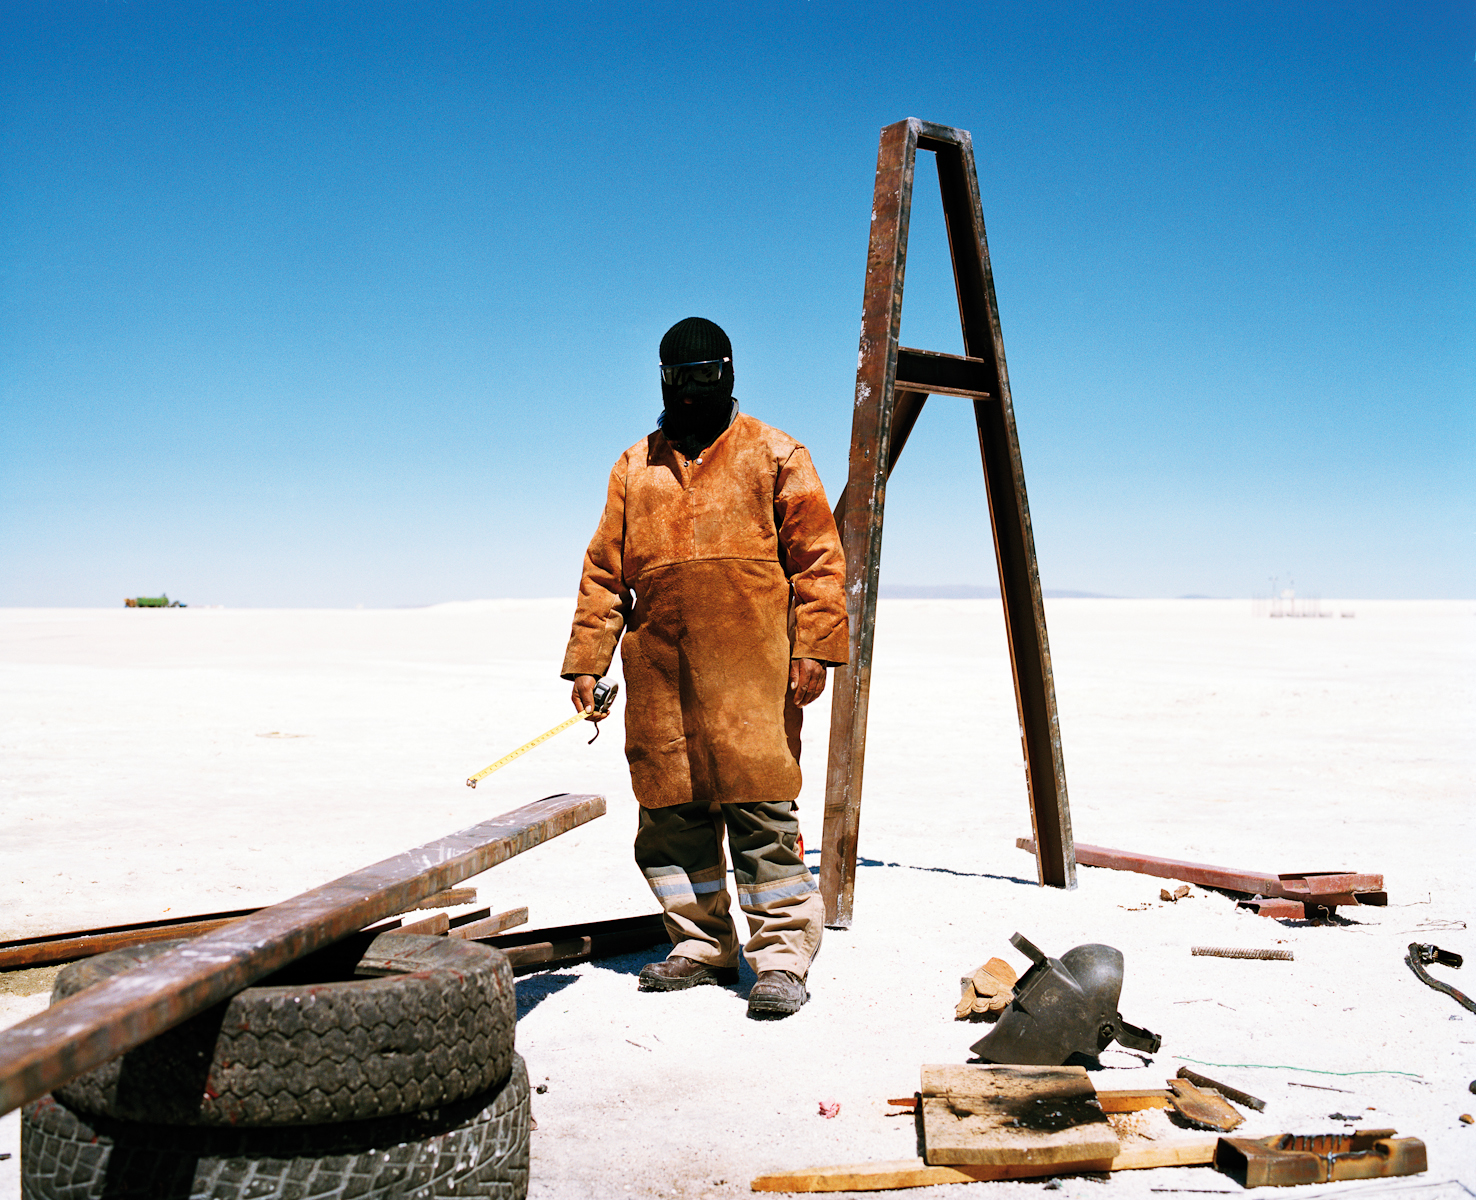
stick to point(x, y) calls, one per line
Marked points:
point(111, 1017)
point(51, 948)
point(1318, 887)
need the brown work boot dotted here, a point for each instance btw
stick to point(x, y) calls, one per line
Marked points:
point(677, 973)
point(776, 994)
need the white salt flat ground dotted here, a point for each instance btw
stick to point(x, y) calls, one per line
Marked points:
point(133, 783)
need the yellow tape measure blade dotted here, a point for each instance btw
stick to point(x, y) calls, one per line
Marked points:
point(524, 748)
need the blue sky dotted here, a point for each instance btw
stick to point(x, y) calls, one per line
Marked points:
point(325, 304)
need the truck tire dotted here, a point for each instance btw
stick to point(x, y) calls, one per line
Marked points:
point(475, 1147)
point(316, 1045)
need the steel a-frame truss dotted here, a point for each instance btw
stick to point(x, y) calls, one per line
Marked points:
point(892, 384)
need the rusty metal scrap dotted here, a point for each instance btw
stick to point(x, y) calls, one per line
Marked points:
point(111, 1017)
point(1286, 1159)
point(1230, 1093)
point(1240, 952)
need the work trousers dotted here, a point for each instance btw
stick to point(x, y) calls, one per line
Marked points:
point(680, 851)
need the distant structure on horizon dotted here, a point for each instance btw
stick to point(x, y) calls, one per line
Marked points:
point(1284, 602)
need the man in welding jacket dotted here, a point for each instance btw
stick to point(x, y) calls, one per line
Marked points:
point(718, 560)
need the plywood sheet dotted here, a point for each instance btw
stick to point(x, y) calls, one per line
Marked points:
point(1013, 1115)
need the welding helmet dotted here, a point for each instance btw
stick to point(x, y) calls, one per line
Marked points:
point(1063, 1007)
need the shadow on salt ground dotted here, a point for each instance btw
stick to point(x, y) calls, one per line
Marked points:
point(876, 862)
point(631, 964)
point(536, 988)
point(533, 990)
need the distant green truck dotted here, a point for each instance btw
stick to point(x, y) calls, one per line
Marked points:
point(153, 602)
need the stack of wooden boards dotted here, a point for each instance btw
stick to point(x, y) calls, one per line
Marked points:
point(989, 1123)
point(527, 951)
point(983, 1123)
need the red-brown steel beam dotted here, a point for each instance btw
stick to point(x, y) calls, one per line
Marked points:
point(111, 1017)
point(1322, 887)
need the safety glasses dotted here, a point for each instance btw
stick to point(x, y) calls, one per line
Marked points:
point(706, 372)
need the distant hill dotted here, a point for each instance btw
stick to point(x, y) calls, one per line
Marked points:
point(969, 591)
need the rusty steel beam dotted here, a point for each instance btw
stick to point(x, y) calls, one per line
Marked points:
point(540, 949)
point(892, 383)
point(928, 371)
point(1327, 888)
point(49, 949)
point(111, 1017)
point(52, 948)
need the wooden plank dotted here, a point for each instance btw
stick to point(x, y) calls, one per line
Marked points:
point(1010, 1114)
point(450, 898)
point(870, 1177)
point(914, 1172)
point(1202, 1108)
point(111, 1017)
point(431, 926)
point(1125, 1100)
point(492, 925)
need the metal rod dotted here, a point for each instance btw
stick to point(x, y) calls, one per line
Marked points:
point(1238, 952)
point(1230, 1093)
point(111, 1017)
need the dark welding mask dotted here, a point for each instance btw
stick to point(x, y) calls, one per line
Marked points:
point(1063, 1007)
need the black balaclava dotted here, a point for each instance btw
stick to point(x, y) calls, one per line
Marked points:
point(693, 427)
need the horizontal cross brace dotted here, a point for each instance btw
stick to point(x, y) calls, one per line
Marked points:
point(943, 374)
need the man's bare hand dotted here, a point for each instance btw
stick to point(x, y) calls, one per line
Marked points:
point(583, 695)
point(806, 679)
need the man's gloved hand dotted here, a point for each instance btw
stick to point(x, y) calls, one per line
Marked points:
point(583, 695)
point(806, 679)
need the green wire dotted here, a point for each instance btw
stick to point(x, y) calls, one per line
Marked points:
point(1285, 1067)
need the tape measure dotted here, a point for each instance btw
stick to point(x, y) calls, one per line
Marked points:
point(604, 697)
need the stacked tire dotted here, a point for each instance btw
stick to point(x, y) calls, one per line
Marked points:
point(382, 1072)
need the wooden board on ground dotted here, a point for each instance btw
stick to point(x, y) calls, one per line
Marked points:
point(432, 926)
point(1000, 1116)
point(450, 898)
point(1202, 1108)
point(914, 1172)
point(491, 925)
point(1126, 1100)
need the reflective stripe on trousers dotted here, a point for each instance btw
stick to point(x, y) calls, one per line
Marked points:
point(680, 851)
